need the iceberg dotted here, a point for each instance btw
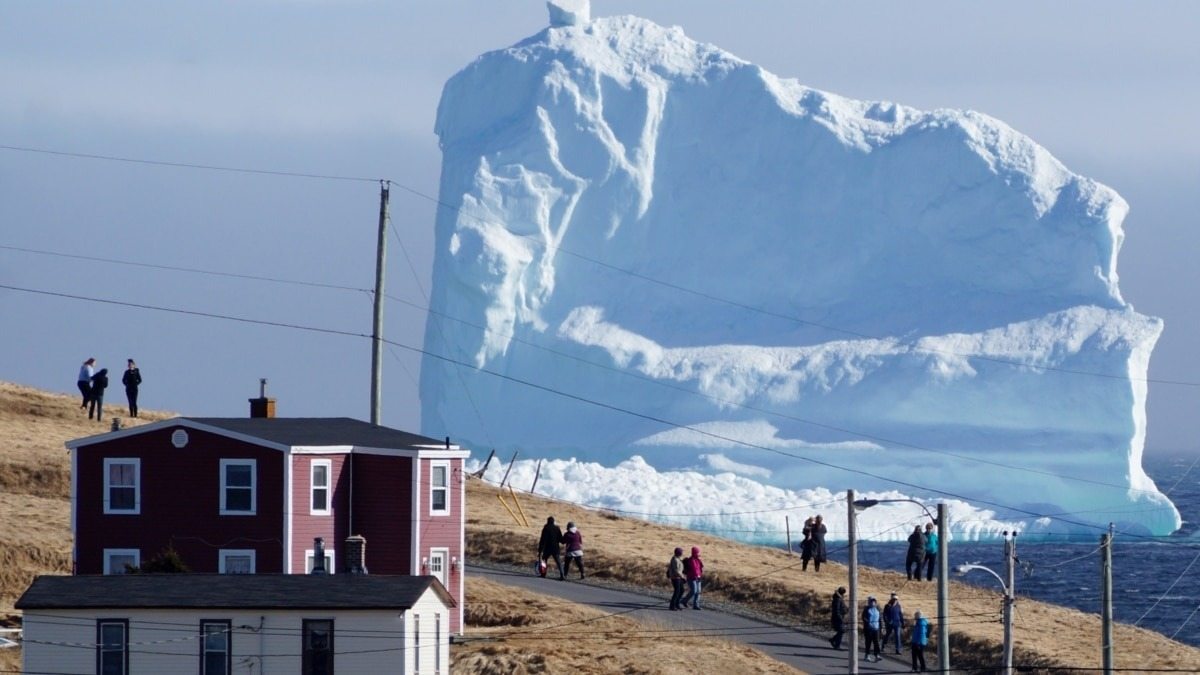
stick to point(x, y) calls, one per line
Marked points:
point(652, 248)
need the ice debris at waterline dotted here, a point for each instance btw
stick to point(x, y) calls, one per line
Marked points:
point(827, 292)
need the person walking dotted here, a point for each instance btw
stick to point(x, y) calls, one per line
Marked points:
point(837, 617)
point(693, 570)
point(96, 400)
point(678, 580)
point(893, 621)
point(574, 541)
point(86, 371)
point(931, 551)
point(549, 545)
point(916, 553)
point(806, 544)
point(920, 638)
point(870, 623)
point(131, 379)
point(818, 545)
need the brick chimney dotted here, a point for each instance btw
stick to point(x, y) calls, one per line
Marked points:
point(262, 406)
point(356, 554)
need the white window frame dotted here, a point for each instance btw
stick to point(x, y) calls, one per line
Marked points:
point(443, 553)
point(416, 643)
point(437, 643)
point(110, 552)
point(224, 553)
point(309, 555)
point(253, 464)
point(313, 487)
point(137, 486)
point(433, 488)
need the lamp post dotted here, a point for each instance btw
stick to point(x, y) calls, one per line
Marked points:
point(943, 589)
point(1010, 557)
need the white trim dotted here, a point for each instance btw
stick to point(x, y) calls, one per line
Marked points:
point(445, 464)
point(440, 453)
point(462, 549)
point(444, 579)
point(328, 487)
point(137, 486)
point(109, 552)
point(322, 449)
point(289, 458)
point(331, 568)
point(415, 525)
point(74, 511)
point(253, 464)
point(238, 552)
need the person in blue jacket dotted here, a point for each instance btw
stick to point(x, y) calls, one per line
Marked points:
point(931, 550)
point(920, 638)
point(893, 621)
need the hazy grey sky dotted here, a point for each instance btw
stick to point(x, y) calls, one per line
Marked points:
point(351, 89)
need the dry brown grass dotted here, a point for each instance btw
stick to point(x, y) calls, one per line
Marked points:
point(770, 581)
point(529, 637)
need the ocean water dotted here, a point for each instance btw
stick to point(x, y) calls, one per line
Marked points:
point(1156, 584)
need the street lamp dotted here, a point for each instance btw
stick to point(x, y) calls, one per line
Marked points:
point(1010, 593)
point(943, 590)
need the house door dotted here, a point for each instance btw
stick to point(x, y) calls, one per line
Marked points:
point(439, 559)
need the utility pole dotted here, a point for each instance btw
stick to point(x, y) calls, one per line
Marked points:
point(943, 590)
point(1106, 612)
point(377, 316)
point(852, 615)
point(1010, 598)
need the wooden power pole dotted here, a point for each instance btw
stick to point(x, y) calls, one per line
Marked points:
point(377, 323)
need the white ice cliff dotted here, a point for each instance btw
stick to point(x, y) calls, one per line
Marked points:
point(644, 231)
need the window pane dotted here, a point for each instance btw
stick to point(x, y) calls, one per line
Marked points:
point(112, 636)
point(121, 474)
point(215, 637)
point(320, 475)
point(439, 500)
point(119, 564)
point(318, 648)
point(439, 476)
point(237, 499)
point(214, 663)
point(238, 475)
point(112, 663)
point(238, 564)
point(320, 500)
point(122, 498)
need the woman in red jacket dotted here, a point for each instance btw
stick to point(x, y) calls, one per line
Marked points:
point(693, 569)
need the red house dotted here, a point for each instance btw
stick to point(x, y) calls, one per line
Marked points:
point(250, 495)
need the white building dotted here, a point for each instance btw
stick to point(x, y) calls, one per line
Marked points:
point(213, 624)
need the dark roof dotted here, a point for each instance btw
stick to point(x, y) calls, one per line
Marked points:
point(229, 591)
point(319, 431)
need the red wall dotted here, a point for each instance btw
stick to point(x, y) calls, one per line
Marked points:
point(444, 531)
point(180, 502)
point(382, 504)
point(306, 526)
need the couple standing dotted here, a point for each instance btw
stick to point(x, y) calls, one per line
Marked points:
point(685, 573)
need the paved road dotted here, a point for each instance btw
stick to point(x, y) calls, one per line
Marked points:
point(808, 652)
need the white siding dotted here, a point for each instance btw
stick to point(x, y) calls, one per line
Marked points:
point(365, 641)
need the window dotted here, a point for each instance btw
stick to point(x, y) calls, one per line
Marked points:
point(216, 653)
point(122, 493)
point(317, 646)
point(309, 559)
point(118, 560)
point(437, 563)
point(416, 643)
point(112, 647)
point(235, 561)
point(439, 488)
point(237, 487)
point(319, 487)
point(437, 643)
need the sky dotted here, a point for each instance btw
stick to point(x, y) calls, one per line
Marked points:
point(349, 90)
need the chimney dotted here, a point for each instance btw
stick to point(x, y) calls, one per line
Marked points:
point(318, 556)
point(262, 406)
point(447, 442)
point(356, 554)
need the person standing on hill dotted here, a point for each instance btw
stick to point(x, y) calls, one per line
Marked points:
point(132, 379)
point(920, 638)
point(931, 551)
point(818, 545)
point(96, 400)
point(837, 617)
point(678, 580)
point(574, 541)
point(84, 381)
point(806, 544)
point(893, 621)
point(870, 623)
point(693, 569)
point(549, 546)
point(916, 553)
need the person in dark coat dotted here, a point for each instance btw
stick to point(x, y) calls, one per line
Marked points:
point(806, 545)
point(96, 401)
point(574, 541)
point(893, 621)
point(678, 580)
point(86, 371)
point(818, 545)
point(837, 617)
point(131, 379)
point(916, 553)
point(549, 546)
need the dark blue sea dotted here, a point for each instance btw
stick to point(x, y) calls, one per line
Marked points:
point(1156, 584)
